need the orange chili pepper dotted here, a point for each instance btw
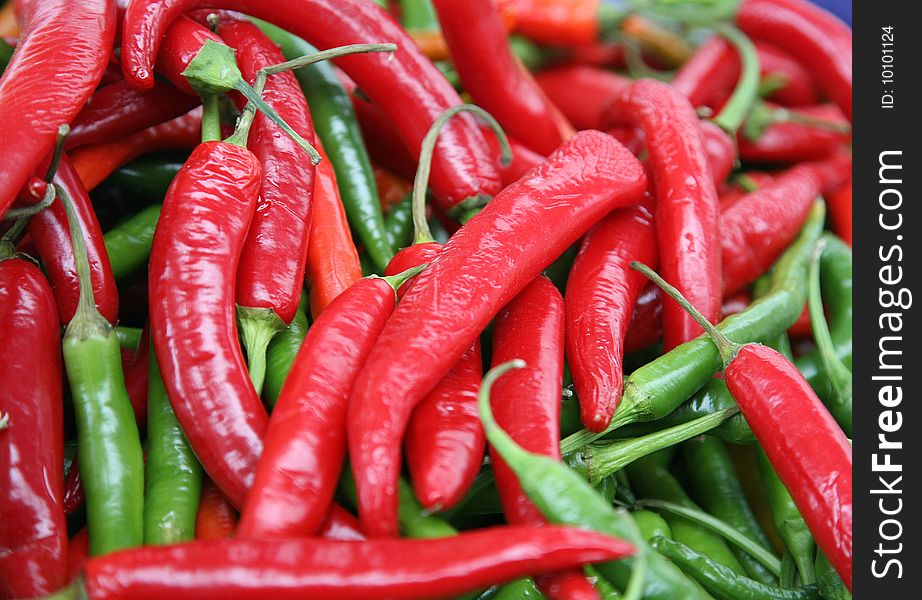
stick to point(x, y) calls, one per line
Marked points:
point(95, 162)
point(431, 43)
point(216, 518)
point(9, 26)
point(332, 260)
point(391, 188)
point(554, 22)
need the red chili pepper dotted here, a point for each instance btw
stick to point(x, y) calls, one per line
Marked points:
point(181, 42)
point(646, 325)
point(200, 234)
point(799, 88)
point(581, 92)
point(314, 568)
point(720, 149)
point(818, 39)
point(33, 535)
point(50, 233)
point(136, 372)
point(833, 172)
point(789, 143)
point(216, 518)
point(73, 489)
point(840, 211)
point(554, 22)
point(481, 268)
point(713, 68)
point(804, 444)
point(527, 402)
point(332, 260)
point(600, 53)
point(568, 585)
point(802, 328)
point(305, 443)
point(493, 76)
point(407, 86)
point(58, 62)
point(77, 552)
point(119, 110)
point(687, 208)
point(97, 161)
point(339, 524)
point(602, 291)
point(734, 304)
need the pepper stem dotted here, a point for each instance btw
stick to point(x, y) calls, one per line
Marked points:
point(242, 130)
point(426, 152)
point(25, 212)
point(395, 281)
point(63, 132)
point(211, 118)
point(734, 112)
point(337, 52)
point(727, 348)
point(498, 437)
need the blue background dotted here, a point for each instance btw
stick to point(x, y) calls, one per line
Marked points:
point(843, 8)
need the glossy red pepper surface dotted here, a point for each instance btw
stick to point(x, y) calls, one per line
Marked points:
point(602, 291)
point(200, 234)
point(33, 530)
point(582, 92)
point(305, 443)
point(216, 519)
point(320, 569)
point(407, 86)
point(804, 443)
point(61, 56)
point(481, 268)
point(182, 41)
point(340, 524)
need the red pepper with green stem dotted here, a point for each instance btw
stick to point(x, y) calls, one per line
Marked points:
point(33, 537)
point(407, 86)
point(804, 444)
point(809, 133)
point(481, 268)
point(602, 292)
point(819, 40)
point(494, 78)
point(305, 442)
point(270, 274)
point(67, 42)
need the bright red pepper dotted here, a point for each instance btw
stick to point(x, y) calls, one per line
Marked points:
point(77, 552)
point(720, 149)
point(582, 92)
point(33, 530)
point(73, 489)
point(193, 262)
point(804, 443)
point(818, 39)
point(840, 211)
point(646, 326)
point(216, 518)
point(305, 443)
point(789, 143)
point(119, 110)
point(136, 372)
point(50, 233)
point(58, 62)
point(481, 268)
point(339, 524)
point(602, 291)
point(407, 86)
point(687, 207)
point(492, 75)
point(799, 88)
point(181, 42)
point(315, 568)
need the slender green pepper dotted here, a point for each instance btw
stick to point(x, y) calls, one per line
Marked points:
point(336, 124)
point(148, 177)
point(722, 582)
point(658, 388)
point(129, 242)
point(128, 337)
point(522, 589)
point(563, 496)
point(651, 479)
point(108, 443)
point(282, 352)
point(828, 581)
point(714, 484)
point(606, 590)
point(651, 524)
point(173, 476)
point(399, 223)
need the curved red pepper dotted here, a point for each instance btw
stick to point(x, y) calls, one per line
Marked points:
point(181, 42)
point(582, 92)
point(804, 443)
point(193, 262)
point(687, 207)
point(33, 535)
point(481, 268)
point(305, 442)
point(789, 143)
point(50, 233)
point(118, 110)
point(216, 519)
point(602, 291)
point(407, 86)
point(316, 568)
point(819, 40)
point(272, 264)
point(479, 46)
point(63, 52)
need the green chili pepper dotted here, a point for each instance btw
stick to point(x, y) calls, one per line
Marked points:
point(651, 479)
point(790, 525)
point(828, 581)
point(129, 338)
point(606, 590)
point(563, 496)
point(148, 177)
point(399, 223)
point(108, 442)
point(6, 53)
point(173, 476)
point(651, 524)
point(418, 15)
point(658, 388)
point(523, 589)
point(128, 243)
point(722, 582)
point(336, 125)
point(282, 350)
point(714, 484)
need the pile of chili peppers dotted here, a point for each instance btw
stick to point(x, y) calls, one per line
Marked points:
point(508, 299)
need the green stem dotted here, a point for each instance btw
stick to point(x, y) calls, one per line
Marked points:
point(733, 536)
point(63, 132)
point(211, 118)
point(339, 51)
point(24, 212)
point(395, 281)
point(86, 313)
point(257, 328)
point(242, 130)
point(697, 12)
point(734, 112)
